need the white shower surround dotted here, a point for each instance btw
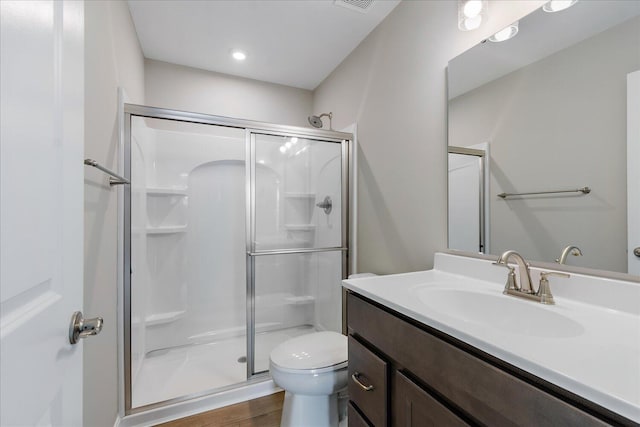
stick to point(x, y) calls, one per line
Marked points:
point(188, 195)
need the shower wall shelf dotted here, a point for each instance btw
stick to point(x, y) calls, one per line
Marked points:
point(300, 195)
point(167, 229)
point(300, 227)
point(156, 191)
point(164, 318)
point(300, 300)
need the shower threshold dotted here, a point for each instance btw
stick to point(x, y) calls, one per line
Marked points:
point(195, 368)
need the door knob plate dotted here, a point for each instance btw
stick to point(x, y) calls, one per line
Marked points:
point(636, 251)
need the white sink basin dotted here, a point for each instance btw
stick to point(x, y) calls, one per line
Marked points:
point(495, 310)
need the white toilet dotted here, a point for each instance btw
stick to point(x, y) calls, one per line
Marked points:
point(312, 369)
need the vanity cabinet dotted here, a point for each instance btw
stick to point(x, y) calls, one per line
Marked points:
point(409, 374)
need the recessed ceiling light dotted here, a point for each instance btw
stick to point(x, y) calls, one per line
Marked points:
point(471, 23)
point(558, 5)
point(505, 33)
point(238, 55)
point(472, 8)
point(471, 13)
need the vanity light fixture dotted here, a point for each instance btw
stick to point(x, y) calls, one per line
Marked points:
point(505, 34)
point(238, 55)
point(558, 5)
point(471, 14)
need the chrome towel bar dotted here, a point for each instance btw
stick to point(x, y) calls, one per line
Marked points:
point(583, 190)
point(115, 178)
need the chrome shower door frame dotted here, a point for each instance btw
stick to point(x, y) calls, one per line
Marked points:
point(345, 141)
point(251, 129)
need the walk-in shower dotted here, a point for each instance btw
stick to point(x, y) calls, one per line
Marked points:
point(229, 248)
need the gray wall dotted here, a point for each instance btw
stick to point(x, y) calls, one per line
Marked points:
point(558, 123)
point(394, 85)
point(112, 58)
point(190, 89)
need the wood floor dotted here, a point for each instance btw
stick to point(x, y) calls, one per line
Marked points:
point(262, 412)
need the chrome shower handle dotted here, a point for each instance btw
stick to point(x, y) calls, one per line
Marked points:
point(326, 204)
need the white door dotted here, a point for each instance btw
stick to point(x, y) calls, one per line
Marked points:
point(466, 182)
point(41, 203)
point(633, 172)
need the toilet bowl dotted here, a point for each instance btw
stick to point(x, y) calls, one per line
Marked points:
point(312, 369)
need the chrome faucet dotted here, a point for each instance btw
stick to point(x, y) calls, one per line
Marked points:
point(571, 249)
point(525, 288)
point(525, 275)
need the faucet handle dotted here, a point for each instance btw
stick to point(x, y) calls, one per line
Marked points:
point(544, 291)
point(511, 284)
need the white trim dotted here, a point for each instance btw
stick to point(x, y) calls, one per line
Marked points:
point(633, 172)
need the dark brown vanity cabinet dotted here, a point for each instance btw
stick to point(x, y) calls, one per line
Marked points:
point(403, 373)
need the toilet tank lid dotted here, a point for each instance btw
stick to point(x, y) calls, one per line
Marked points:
point(311, 351)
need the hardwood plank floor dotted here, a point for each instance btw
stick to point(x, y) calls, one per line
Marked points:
point(263, 412)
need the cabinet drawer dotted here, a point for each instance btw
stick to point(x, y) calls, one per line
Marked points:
point(354, 417)
point(412, 406)
point(368, 379)
point(483, 391)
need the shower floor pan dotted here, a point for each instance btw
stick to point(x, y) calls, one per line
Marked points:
point(183, 371)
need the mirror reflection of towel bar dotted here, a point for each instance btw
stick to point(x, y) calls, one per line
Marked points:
point(583, 190)
point(115, 180)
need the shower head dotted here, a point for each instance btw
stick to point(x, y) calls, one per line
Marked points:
point(316, 121)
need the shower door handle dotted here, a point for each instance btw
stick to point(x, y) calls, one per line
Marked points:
point(83, 328)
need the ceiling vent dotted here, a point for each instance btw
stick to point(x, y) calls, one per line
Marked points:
point(361, 6)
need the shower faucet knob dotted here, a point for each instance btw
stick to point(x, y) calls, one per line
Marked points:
point(326, 204)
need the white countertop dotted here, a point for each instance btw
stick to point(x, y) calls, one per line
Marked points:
point(587, 343)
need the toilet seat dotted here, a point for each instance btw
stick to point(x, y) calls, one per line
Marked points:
point(312, 353)
point(314, 371)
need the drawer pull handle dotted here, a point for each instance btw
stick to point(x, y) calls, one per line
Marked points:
point(355, 377)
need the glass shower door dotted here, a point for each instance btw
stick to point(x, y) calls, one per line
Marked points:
point(187, 284)
point(297, 258)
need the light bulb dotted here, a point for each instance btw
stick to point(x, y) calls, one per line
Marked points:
point(283, 148)
point(471, 14)
point(558, 5)
point(472, 8)
point(472, 23)
point(505, 33)
point(238, 55)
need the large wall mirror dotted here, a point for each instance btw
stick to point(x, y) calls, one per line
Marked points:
point(546, 112)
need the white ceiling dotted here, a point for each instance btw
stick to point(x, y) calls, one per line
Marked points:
point(541, 34)
point(291, 42)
